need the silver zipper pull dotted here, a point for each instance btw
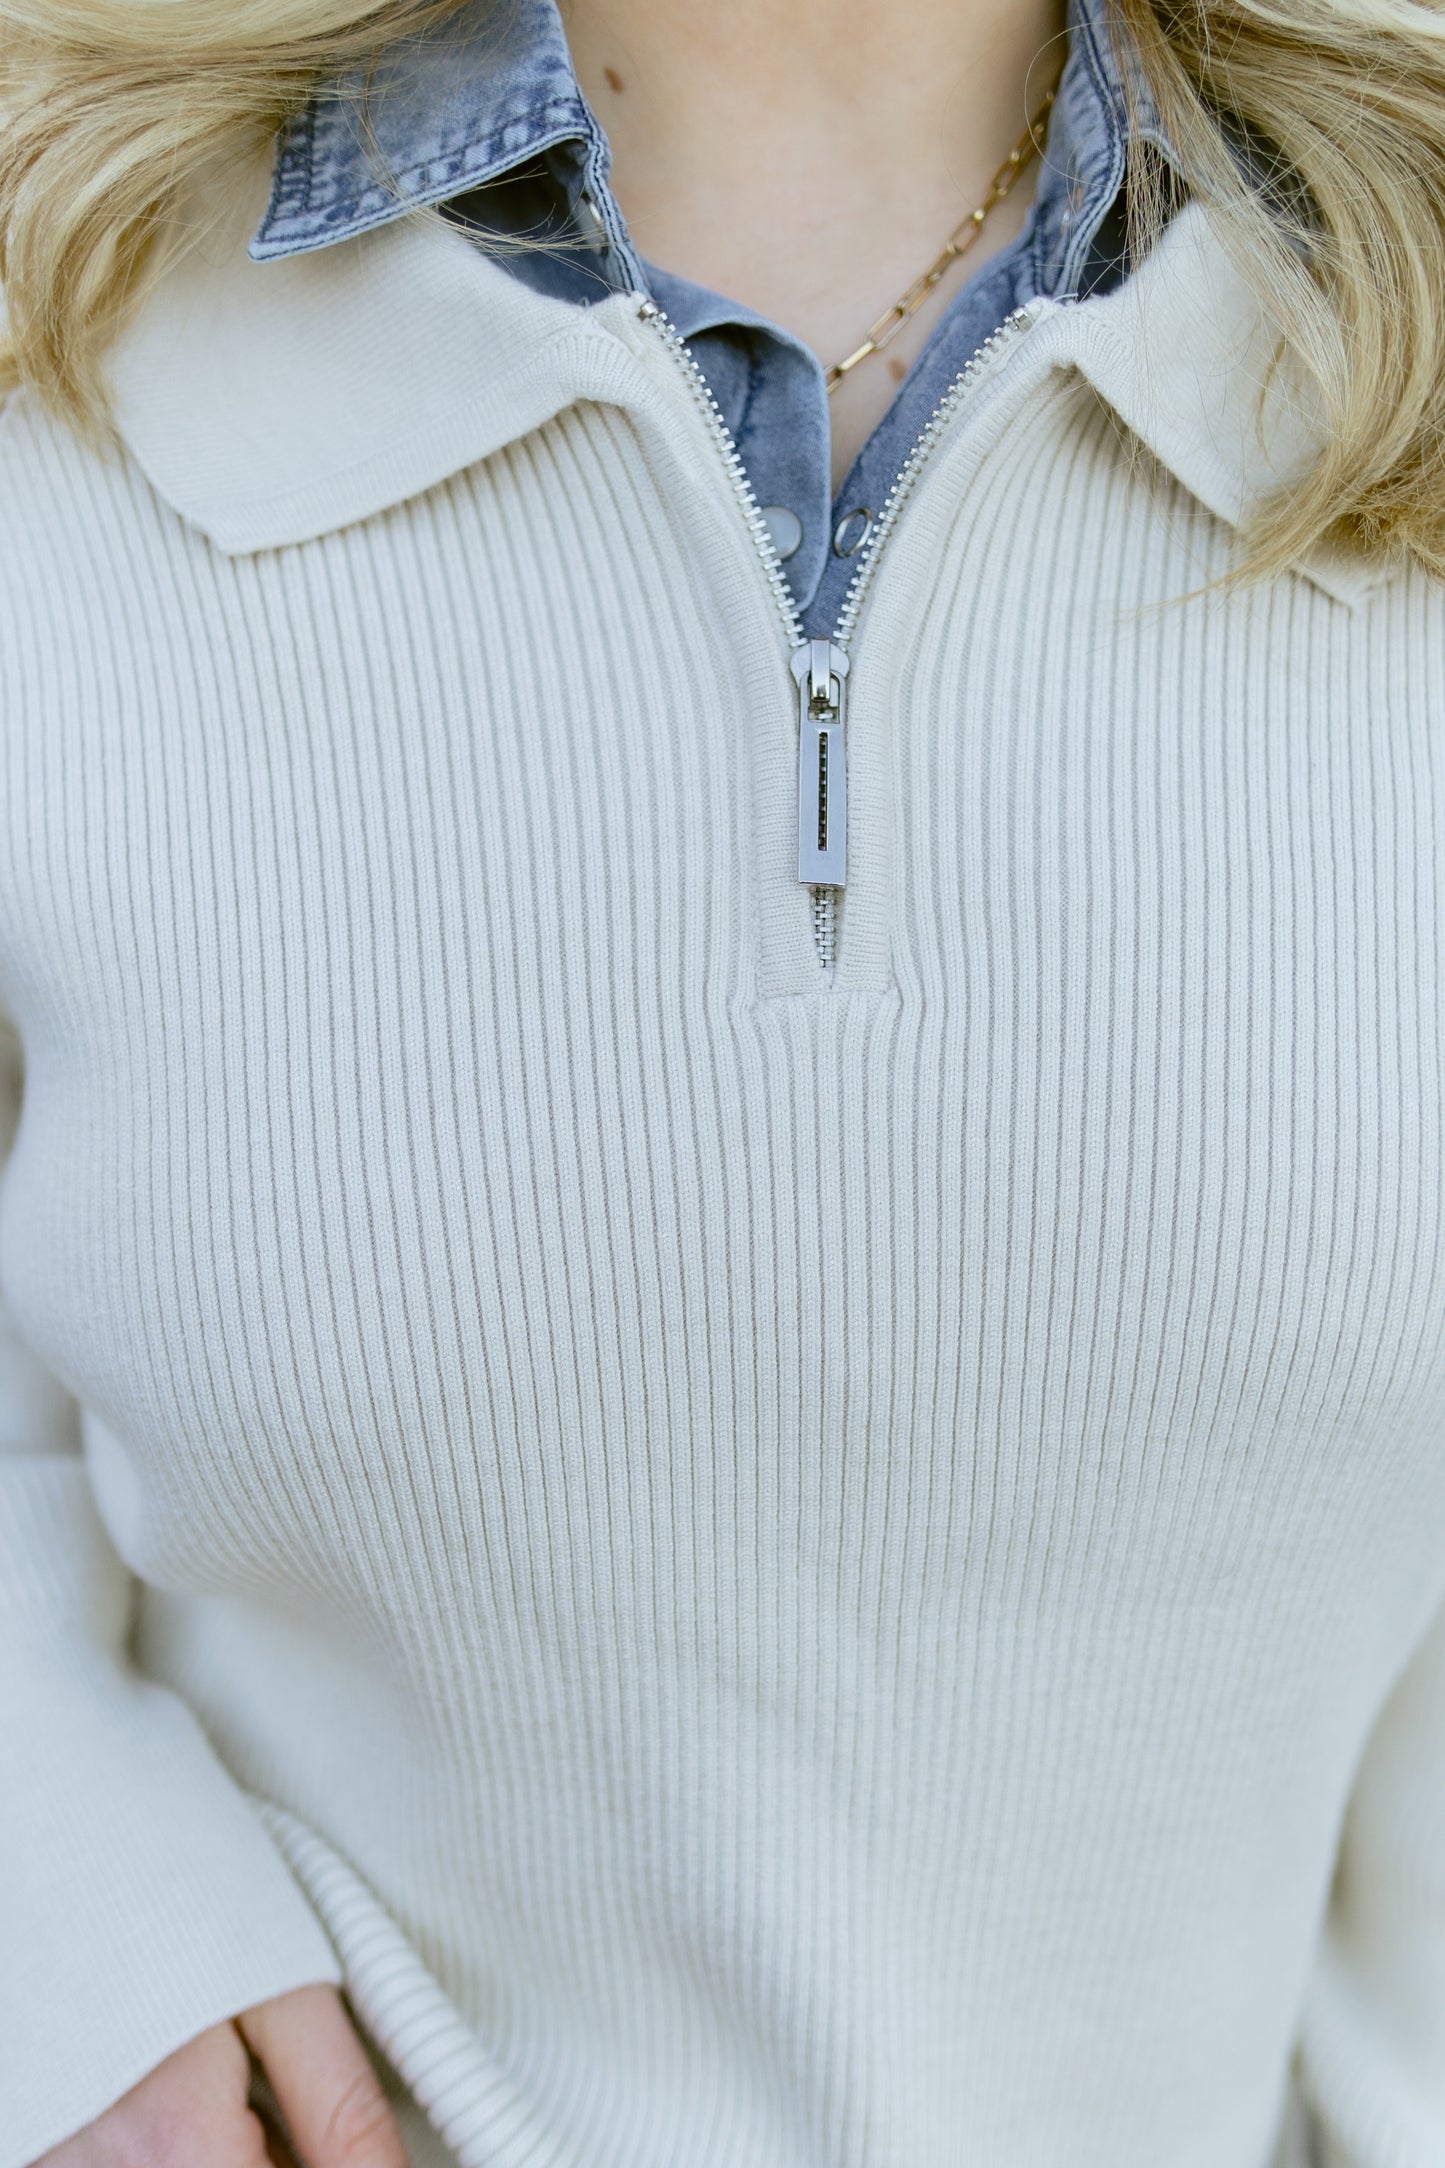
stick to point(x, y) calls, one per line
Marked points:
point(821, 669)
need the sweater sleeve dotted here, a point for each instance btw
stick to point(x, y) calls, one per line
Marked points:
point(140, 1898)
point(1373, 2039)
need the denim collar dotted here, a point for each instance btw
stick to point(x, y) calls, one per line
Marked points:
point(493, 87)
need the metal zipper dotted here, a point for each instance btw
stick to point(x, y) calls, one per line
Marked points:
point(820, 667)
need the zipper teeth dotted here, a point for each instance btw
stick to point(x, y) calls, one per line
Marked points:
point(912, 467)
point(825, 925)
point(737, 473)
point(893, 504)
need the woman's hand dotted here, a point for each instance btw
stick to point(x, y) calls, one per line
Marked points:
point(191, 2111)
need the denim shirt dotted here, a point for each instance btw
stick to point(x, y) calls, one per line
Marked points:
point(484, 116)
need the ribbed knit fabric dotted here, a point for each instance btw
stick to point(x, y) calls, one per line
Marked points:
point(778, 1572)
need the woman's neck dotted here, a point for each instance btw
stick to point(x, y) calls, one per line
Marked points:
point(809, 157)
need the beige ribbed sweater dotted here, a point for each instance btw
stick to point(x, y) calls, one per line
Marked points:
point(779, 1571)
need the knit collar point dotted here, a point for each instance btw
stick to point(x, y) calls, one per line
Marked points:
point(1191, 360)
point(271, 403)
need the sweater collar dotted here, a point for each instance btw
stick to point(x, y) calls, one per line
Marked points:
point(270, 404)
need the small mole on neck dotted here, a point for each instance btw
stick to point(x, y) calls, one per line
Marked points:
point(613, 79)
point(897, 368)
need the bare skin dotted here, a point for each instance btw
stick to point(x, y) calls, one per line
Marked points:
point(811, 157)
point(191, 2111)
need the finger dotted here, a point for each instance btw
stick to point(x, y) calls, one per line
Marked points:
point(335, 2110)
point(280, 2152)
point(191, 2107)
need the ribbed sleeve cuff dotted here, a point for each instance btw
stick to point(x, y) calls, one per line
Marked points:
point(141, 1899)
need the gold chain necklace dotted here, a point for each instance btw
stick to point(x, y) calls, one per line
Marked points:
point(963, 236)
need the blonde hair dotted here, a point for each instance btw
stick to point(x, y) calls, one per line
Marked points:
point(110, 107)
point(1337, 215)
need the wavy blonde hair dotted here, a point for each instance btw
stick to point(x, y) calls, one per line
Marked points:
point(1338, 215)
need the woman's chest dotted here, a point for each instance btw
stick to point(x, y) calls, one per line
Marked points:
point(431, 1070)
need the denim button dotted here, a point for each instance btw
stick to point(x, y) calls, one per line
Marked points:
point(852, 531)
point(786, 529)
